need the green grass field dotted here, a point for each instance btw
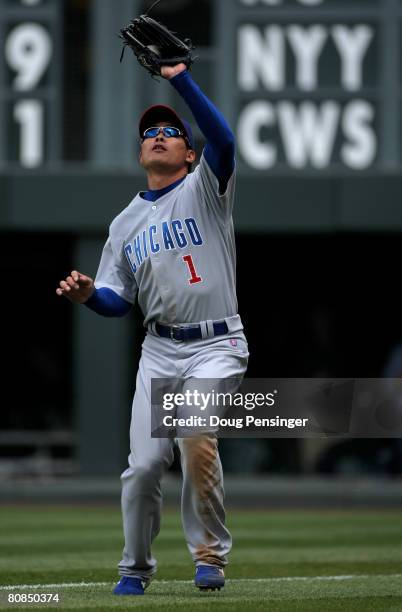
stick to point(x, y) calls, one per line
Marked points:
point(283, 560)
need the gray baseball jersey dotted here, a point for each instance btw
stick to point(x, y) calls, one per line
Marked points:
point(177, 254)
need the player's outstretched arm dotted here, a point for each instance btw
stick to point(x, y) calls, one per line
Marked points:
point(210, 120)
point(220, 147)
point(77, 287)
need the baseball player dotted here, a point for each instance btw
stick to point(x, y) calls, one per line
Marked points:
point(173, 249)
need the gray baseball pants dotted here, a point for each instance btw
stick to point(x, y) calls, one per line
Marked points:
point(202, 509)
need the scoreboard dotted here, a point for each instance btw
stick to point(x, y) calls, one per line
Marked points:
point(30, 82)
point(314, 84)
point(317, 73)
point(307, 85)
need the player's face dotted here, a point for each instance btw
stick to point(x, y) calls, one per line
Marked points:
point(165, 154)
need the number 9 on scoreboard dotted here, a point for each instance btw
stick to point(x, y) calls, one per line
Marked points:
point(32, 91)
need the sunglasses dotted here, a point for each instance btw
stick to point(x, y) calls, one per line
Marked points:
point(168, 132)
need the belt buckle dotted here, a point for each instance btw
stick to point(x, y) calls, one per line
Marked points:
point(172, 328)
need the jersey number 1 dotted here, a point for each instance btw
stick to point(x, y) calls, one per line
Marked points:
point(194, 276)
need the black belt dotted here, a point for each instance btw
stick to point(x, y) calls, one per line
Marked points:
point(176, 332)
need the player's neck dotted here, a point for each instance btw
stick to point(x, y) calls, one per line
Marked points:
point(159, 181)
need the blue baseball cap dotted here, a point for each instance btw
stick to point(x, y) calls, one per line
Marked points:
point(160, 112)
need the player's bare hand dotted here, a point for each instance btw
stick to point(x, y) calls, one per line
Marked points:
point(77, 287)
point(168, 72)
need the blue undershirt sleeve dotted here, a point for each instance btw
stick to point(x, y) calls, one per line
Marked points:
point(108, 303)
point(220, 148)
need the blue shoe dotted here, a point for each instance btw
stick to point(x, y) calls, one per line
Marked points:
point(209, 577)
point(129, 585)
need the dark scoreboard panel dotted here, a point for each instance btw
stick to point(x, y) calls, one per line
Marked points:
point(30, 82)
point(308, 85)
point(317, 83)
